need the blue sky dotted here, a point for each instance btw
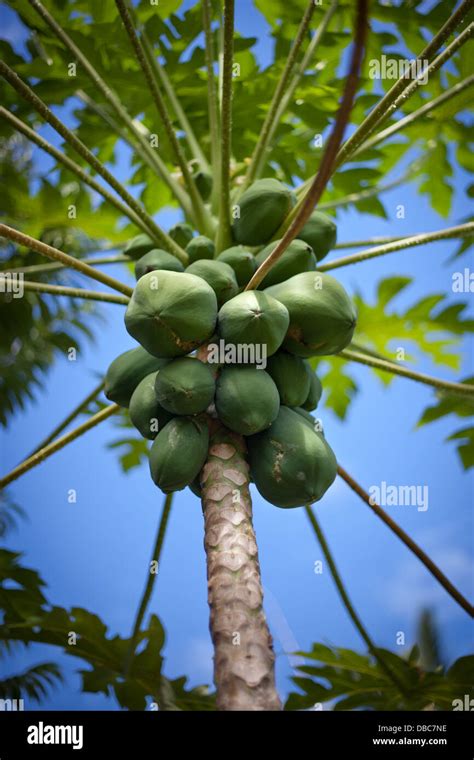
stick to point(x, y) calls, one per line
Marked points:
point(95, 553)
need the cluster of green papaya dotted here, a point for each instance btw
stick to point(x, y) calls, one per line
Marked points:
point(171, 385)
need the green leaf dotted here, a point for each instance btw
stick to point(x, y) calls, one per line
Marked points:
point(466, 448)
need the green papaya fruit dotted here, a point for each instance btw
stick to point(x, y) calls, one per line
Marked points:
point(200, 247)
point(253, 317)
point(291, 464)
point(181, 233)
point(315, 424)
point(195, 487)
point(322, 317)
point(178, 453)
point(320, 232)
point(242, 262)
point(157, 259)
point(262, 209)
point(186, 387)
point(305, 415)
point(290, 377)
point(247, 399)
point(298, 257)
point(203, 182)
point(219, 276)
point(126, 371)
point(171, 313)
point(138, 246)
point(315, 389)
point(146, 414)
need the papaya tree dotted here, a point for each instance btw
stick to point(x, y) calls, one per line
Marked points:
point(239, 326)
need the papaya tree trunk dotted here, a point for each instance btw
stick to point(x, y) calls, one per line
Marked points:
point(244, 661)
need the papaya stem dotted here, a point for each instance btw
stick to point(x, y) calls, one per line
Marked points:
point(307, 204)
point(399, 93)
point(408, 120)
point(459, 389)
point(385, 107)
point(243, 648)
point(379, 240)
point(63, 290)
point(258, 155)
point(59, 443)
point(111, 97)
point(57, 255)
point(93, 261)
point(391, 108)
point(224, 237)
point(27, 93)
point(459, 231)
point(201, 217)
point(348, 604)
point(81, 407)
point(128, 137)
point(150, 583)
point(300, 71)
point(63, 159)
point(409, 543)
point(53, 253)
point(369, 192)
point(212, 105)
point(167, 84)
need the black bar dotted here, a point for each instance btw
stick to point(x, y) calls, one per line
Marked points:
point(370, 734)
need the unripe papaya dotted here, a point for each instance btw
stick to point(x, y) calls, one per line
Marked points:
point(200, 247)
point(320, 232)
point(262, 209)
point(203, 182)
point(138, 246)
point(315, 389)
point(157, 259)
point(247, 399)
point(298, 257)
point(322, 317)
point(178, 453)
point(291, 464)
point(126, 371)
point(171, 313)
point(187, 386)
point(242, 262)
point(146, 414)
point(305, 415)
point(195, 487)
point(219, 276)
point(181, 233)
point(290, 377)
point(253, 317)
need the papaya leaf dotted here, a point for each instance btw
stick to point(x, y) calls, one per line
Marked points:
point(28, 618)
point(461, 407)
point(339, 386)
point(466, 447)
point(10, 513)
point(433, 325)
point(351, 681)
point(34, 683)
